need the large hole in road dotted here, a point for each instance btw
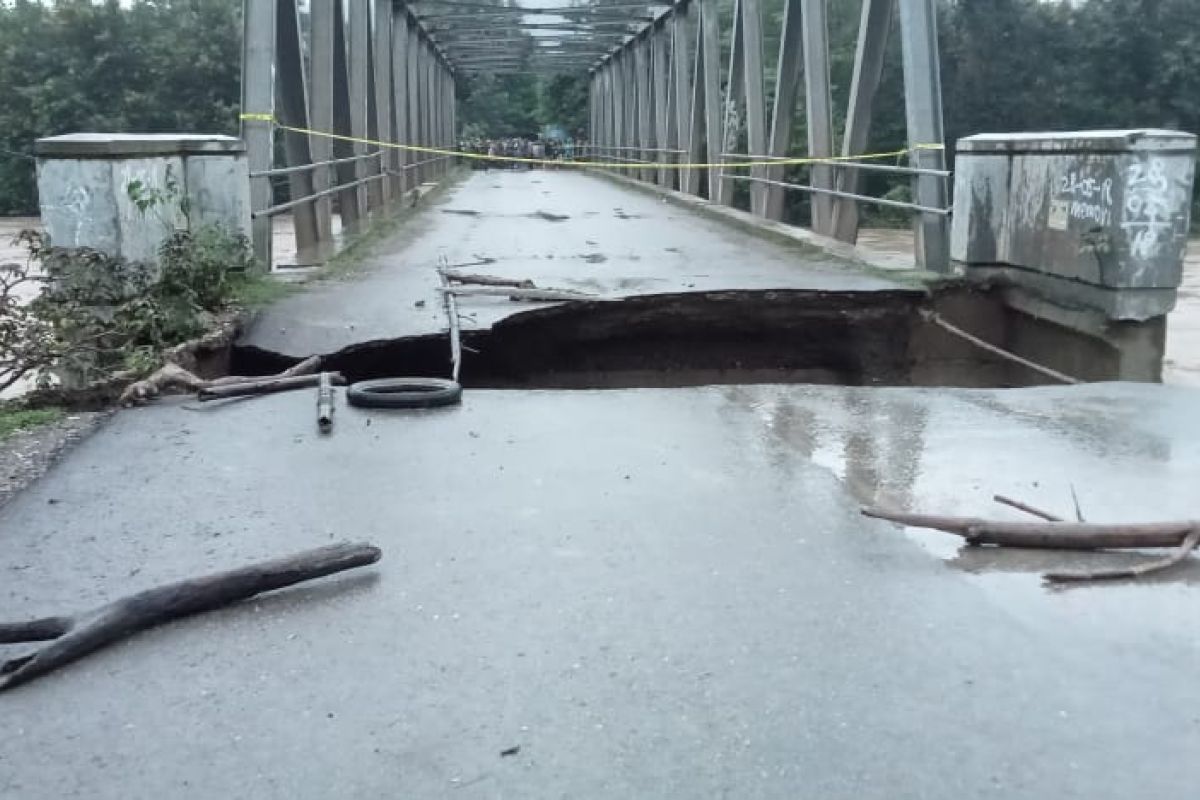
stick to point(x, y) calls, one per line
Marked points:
point(876, 338)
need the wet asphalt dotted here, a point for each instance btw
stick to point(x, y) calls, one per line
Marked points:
point(651, 593)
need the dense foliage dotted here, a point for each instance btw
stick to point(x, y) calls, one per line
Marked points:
point(1008, 65)
point(98, 316)
point(76, 65)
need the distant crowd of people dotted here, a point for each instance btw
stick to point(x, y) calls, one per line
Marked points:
point(497, 150)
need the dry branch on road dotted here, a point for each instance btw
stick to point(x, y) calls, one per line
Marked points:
point(171, 376)
point(514, 293)
point(488, 280)
point(269, 385)
point(78, 635)
point(1053, 533)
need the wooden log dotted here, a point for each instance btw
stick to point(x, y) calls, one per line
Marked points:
point(173, 376)
point(454, 324)
point(1028, 509)
point(488, 280)
point(308, 366)
point(1059, 535)
point(936, 319)
point(36, 630)
point(550, 295)
point(265, 386)
point(77, 636)
point(1135, 571)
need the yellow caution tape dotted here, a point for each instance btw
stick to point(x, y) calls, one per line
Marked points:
point(412, 148)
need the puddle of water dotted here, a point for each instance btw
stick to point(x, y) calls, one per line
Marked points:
point(940, 452)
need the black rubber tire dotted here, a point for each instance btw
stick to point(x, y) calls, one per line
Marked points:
point(404, 393)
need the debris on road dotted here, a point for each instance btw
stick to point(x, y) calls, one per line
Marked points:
point(488, 280)
point(325, 398)
point(1053, 533)
point(516, 293)
point(172, 376)
point(78, 635)
point(269, 385)
point(452, 320)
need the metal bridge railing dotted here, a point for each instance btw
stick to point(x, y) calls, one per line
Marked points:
point(941, 174)
point(360, 74)
point(311, 198)
point(675, 92)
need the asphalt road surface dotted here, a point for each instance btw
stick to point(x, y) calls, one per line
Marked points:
point(651, 593)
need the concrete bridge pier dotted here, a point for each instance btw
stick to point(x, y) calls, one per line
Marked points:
point(1084, 233)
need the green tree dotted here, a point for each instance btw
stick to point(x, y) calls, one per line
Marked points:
point(78, 65)
point(563, 100)
point(498, 105)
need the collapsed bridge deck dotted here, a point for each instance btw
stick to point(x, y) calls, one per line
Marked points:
point(560, 229)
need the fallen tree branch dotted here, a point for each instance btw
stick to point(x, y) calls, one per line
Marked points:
point(168, 376)
point(455, 324)
point(936, 319)
point(553, 295)
point(1137, 570)
point(77, 636)
point(1028, 509)
point(36, 630)
point(268, 385)
point(171, 376)
point(488, 280)
point(309, 366)
point(1053, 535)
point(1056, 534)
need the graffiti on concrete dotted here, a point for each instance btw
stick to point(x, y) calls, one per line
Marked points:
point(1151, 206)
point(1085, 197)
point(71, 211)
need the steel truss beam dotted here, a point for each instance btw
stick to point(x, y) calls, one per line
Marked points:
point(683, 104)
point(385, 69)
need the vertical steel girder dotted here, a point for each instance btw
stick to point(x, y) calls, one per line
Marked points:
point(787, 81)
point(416, 174)
point(660, 43)
point(350, 207)
point(258, 98)
point(427, 103)
point(756, 109)
point(731, 109)
point(321, 114)
point(400, 88)
point(819, 109)
point(645, 103)
point(381, 52)
point(708, 91)
point(682, 94)
point(876, 21)
point(923, 105)
point(292, 99)
point(357, 52)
